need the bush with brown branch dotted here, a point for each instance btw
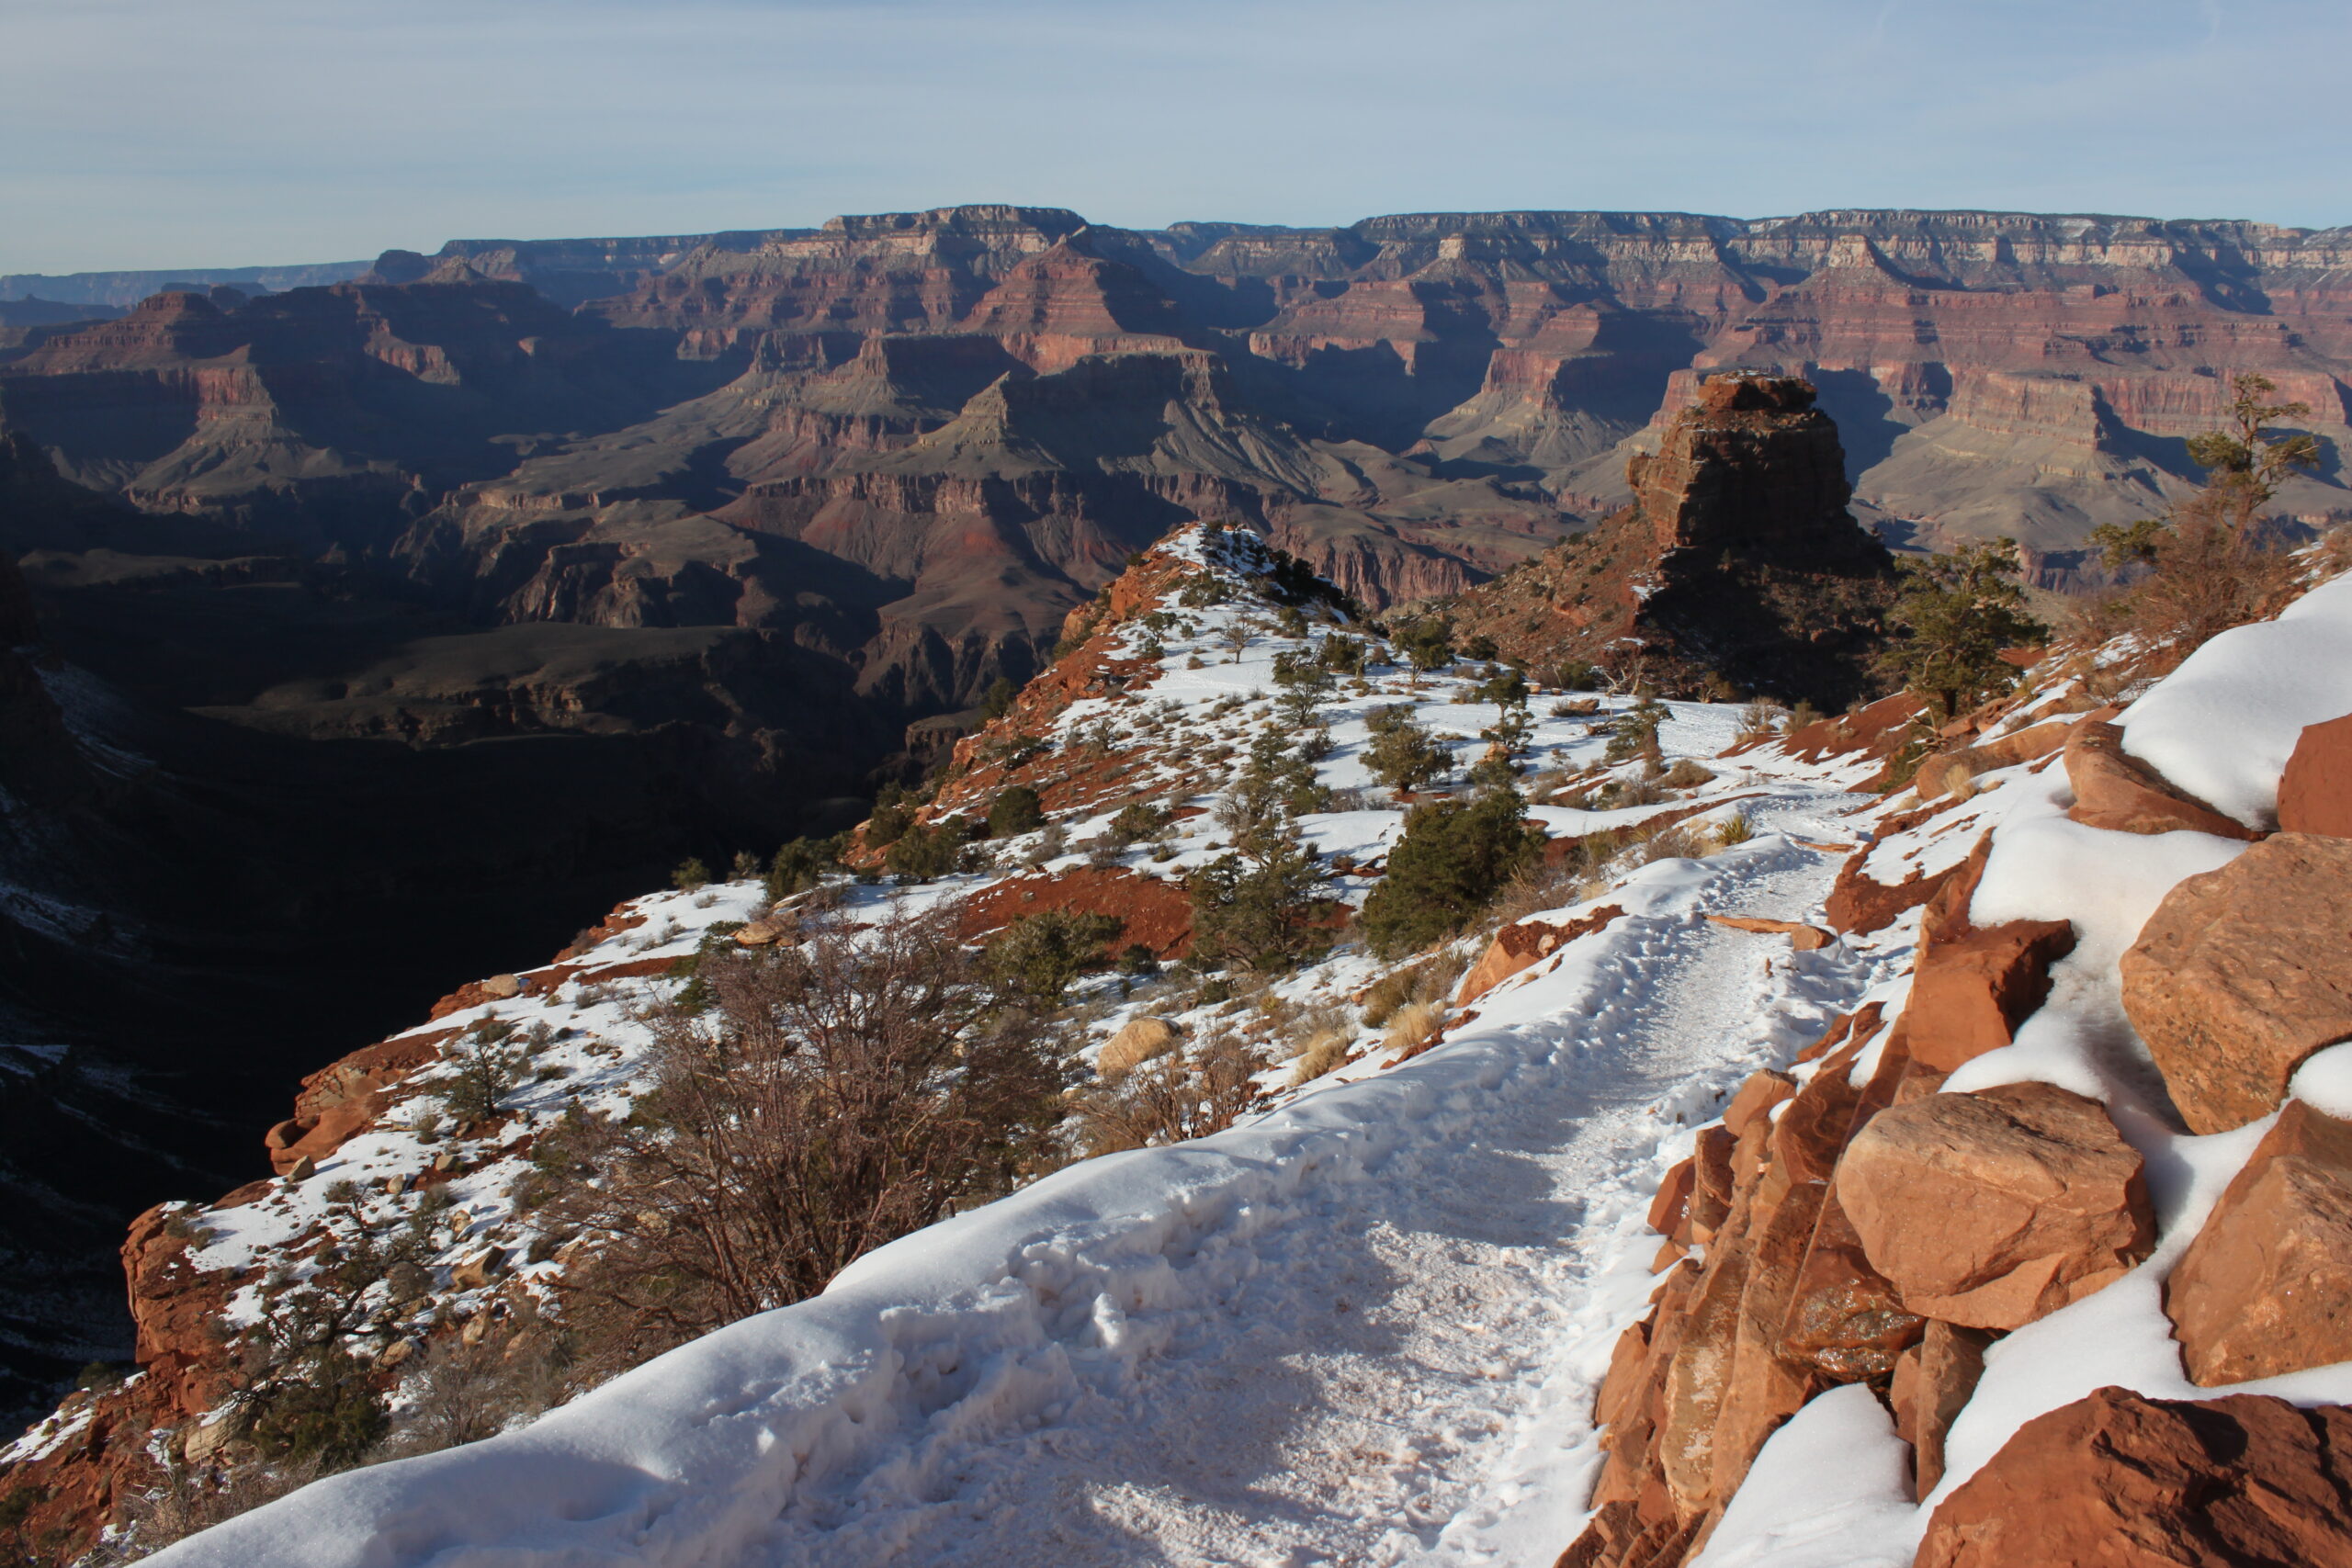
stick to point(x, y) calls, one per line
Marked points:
point(832, 1096)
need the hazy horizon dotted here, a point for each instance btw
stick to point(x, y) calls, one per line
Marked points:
point(142, 136)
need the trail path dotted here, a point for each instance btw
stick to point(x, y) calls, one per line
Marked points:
point(1401, 1372)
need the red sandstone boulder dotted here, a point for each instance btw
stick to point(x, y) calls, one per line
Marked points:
point(1673, 1199)
point(1932, 1384)
point(1712, 1181)
point(1522, 946)
point(2116, 790)
point(1842, 1319)
point(1996, 1208)
point(1973, 985)
point(2267, 1286)
point(2241, 973)
point(2315, 792)
point(1757, 1097)
point(1859, 903)
point(291, 1143)
point(2122, 1481)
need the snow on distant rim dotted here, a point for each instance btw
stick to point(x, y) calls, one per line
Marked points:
point(2223, 725)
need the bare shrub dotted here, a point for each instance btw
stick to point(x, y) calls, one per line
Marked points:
point(191, 1497)
point(1687, 773)
point(1678, 842)
point(1761, 719)
point(468, 1390)
point(1183, 1094)
point(832, 1096)
point(2210, 576)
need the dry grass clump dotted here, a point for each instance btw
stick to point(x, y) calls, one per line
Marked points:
point(1734, 830)
point(1621, 792)
point(1413, 1026)
point(1305, 1024)
point(1322, 1053)
point(1427, 981)
point(1687, 773)
point(1143, 1040)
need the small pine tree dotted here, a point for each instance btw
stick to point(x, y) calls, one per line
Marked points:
point(800, 865)
point(1137, 820)
point(1455, 858)
point(1505, 688)
point(1427, 644)
point(489, 1066)
point(1016, 809)
point(894, 813)
point(1635, 734)
point(1252, 910)
point(2212, 552)
point(692, 875)
point(1342, 655)
point(997, 701)
point(1404, 756)
point(926, 852)
point(1250, 907)
point(1039, 955)
point(1957, 612)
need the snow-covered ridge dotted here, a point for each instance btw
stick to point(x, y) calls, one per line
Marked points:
point(1369, 1321)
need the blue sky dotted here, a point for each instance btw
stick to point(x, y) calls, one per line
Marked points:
point(154, 133)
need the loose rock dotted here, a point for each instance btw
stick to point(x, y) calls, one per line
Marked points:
point(2315, 792)
point(2116, 790)
point(2123, 1482)
point(2241, 974)
point(1996, 1208)
point(2267, 1286)
point(1932, 1384)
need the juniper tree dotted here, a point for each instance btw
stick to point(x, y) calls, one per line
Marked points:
point(1956, 613)
point(1454, 857)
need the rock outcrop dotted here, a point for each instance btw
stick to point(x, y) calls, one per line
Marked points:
point(2156, 1483)
point(2116, 790)
point(2315, 791)
point(2267, 1286)
point(1780, 1305)
point(2228, 986)
point(1737, 563)
point(1523, 945)
point(1931, 1384)
point(1992, 1209)
point(1972, 985)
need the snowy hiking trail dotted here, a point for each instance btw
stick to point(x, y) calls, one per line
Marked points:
point(1405, 1374)
point(1363, 1327)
